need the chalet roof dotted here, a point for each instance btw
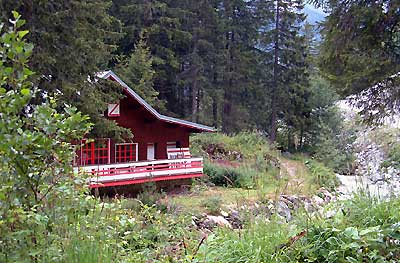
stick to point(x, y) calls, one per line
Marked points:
point(110, 74)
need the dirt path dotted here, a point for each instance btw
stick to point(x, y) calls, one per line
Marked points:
point(296, 174)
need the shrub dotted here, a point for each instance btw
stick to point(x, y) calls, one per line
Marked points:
point(150, 194)
point(250, 145)
point(364, 229)
point(322, 175)
point(393, 159)
point(213, 204)
point(243, 176)
point(221, 175)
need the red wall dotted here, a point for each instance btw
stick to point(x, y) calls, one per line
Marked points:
point(147, 129)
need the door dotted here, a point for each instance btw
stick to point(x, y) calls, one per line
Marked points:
point(150, 151)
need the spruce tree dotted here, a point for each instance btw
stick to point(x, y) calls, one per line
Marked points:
point(74, 40)
point(138, 73)
point(283, 56)
point(361, 53)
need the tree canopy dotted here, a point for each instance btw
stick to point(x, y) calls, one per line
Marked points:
point(231, 64)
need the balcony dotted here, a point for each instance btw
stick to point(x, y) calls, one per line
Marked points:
point(108, 175)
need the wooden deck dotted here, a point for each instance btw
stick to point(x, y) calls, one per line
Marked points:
point(141, 172)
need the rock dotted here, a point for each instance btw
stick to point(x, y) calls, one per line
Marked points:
point(328, 197)
point(283, 210)
point(224, 214)
point(234, 219)
point(309, 207)
point(317, 200)
point(219, 220)
point(293, 202)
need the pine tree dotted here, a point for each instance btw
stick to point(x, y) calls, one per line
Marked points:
point(235, 65)
point(163, 29)
point(284, 60)
point(138, 73)
point(361, 48)
point(73, 41)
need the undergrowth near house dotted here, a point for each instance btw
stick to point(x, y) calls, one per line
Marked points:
point(242, 160)
point(322, 175)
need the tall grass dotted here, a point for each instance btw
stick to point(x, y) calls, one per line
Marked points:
point(250, 144)
point(364, 229)
point(259, 242)
point(322, 175)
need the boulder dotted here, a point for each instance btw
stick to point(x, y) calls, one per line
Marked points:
point(219, 220)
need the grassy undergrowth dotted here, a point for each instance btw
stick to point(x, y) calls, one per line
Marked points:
point(245, 168)
point(364, 229)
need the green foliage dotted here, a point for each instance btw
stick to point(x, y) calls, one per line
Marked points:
point(36, 173)
point(388, 140)
point(46, 211)
point(74, 40)
point(138, 73)
point(212, 204)
point(322, 175)
point(150, 194)
point(250, 145)
point(243, 177)
point(256, 243)
point(239, 160)
point(361, 49)
point(393, 157)
point(334, 146)
point(364, 229)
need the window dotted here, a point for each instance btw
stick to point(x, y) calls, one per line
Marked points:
point(171, 145)
point(96, 152)
point(113, 110)
point(126, 152)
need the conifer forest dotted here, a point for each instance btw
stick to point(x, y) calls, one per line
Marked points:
point(199, 131)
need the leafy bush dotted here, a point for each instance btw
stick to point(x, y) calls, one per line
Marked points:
point(213, 204)
point(150, 194)
point(393, 159)
point(322, 175)
point(46, 211)
point(364, 229)
point(248, 157)
point(332, 141)
point(257, 243)
point(250, 145)
point(243, 177)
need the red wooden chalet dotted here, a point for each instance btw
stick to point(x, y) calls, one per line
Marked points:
point(159, 150)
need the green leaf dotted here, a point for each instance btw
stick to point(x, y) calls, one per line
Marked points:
point(25, 92)
point(16, 15)
point(21, 34)
point(369, 230)
point(352, 232)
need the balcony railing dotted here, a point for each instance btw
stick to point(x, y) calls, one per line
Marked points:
point(140, 172)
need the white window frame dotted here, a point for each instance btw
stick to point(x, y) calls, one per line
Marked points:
point(126, 143)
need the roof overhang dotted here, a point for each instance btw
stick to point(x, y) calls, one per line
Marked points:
point(192, 125)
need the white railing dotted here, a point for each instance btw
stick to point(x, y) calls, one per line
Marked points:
point(139, 170)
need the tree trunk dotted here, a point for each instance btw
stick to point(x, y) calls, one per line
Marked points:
point(198, 105)
point(215, 111)
point(195, 99)
point(274, 106)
